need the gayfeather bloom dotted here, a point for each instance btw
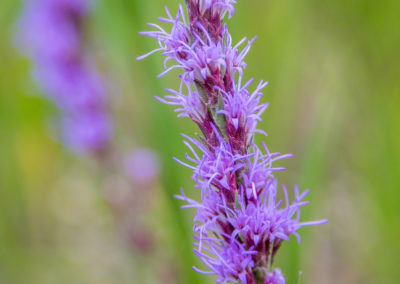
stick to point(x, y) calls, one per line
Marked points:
point(51, 33)
point(240, 223)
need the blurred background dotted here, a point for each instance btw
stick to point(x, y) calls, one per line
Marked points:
point(334, 93)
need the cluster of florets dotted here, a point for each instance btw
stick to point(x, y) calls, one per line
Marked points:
point(207, 63)
point(51, 33)
point(208, 15)
point(239, 223)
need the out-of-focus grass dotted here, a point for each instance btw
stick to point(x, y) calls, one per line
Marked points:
point(333, 69)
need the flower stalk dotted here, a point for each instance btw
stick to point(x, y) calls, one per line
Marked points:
point(239, 223)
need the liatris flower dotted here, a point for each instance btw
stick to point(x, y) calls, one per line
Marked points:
point(239, 223)
point(51, 33)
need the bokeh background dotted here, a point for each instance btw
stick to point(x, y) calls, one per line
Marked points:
point(334, 93)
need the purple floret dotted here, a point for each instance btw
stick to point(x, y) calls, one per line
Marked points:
point(229, 260)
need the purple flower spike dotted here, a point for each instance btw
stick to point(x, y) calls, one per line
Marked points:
point(240, 223)
point(51, 33)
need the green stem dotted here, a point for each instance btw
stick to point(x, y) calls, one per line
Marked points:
point(270, 250)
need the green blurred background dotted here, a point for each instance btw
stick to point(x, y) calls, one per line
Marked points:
point(334, 73)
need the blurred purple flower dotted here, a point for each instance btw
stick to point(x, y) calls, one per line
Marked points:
point(87, 131)
point(239, 206)
point(51, 33)
point(142, 166)
point(275, 277)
